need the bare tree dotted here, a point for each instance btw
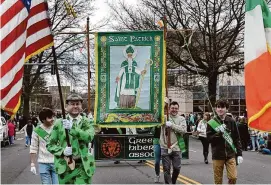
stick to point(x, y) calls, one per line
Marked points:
point(217, 28)
point(68, 46)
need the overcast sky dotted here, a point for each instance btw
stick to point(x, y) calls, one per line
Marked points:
point(103, 11)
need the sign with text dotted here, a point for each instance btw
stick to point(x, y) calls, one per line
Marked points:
point(130, 79)
point(128, 147)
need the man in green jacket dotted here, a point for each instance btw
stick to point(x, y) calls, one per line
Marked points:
point(81, 133)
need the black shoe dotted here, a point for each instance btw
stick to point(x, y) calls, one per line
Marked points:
point(116, 162)
point(139, 162)
point(206, 161)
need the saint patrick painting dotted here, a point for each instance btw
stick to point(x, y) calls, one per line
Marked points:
point(129, 79)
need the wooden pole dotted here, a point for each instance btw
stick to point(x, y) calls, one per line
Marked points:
point(61, 101)
point(89, 75)
point(168, 130)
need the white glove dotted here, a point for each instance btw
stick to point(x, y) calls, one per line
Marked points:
point(240, 159)
point(168, 123)
point(90, 116)
point(67, 124)
point(33, 169)
point(68, 151)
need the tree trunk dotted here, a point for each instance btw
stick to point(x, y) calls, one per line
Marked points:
point(26, 105)
point(212, 84)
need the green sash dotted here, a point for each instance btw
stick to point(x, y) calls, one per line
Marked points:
point(42, 133)
point(180, 140)
point(218, 127)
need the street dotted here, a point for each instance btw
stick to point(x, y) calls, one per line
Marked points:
point(15, 168)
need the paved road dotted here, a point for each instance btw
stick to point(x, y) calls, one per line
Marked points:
point(15, 166)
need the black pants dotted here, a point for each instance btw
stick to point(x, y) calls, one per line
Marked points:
point(205, 145)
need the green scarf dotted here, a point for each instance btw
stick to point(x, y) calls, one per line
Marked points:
point(42, 133)
point(180, 140)
point(218, 127)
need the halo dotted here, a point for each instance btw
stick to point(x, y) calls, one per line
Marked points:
point(134, 48)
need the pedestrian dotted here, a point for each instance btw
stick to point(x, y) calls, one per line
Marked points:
point(174, 128)
point(202, 126)
point(243, 131)
point(11, 131)
point(224, 137)
point(157, 151)
point(38, 148)
point(254, 139)
point(81, 133)
point(28, 130)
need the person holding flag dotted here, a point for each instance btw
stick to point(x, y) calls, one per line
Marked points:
point(222, 133)
point(81, 133)
point(171, 152)
point(38, 148)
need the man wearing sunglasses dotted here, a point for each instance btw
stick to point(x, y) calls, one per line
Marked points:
point(81, 133)
point(222, 133)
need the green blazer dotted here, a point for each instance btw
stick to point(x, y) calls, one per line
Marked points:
point(81, 135)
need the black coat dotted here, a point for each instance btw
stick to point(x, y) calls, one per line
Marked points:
point(221, 150)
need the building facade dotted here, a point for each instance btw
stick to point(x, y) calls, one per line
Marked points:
point(191, 92)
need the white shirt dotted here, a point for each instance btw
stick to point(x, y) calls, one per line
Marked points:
point(75, 120)
point(202, 128)
point(38, 146)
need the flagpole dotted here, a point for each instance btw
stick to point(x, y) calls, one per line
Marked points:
point(89, 75)
point(61, 102)
point(168, 130)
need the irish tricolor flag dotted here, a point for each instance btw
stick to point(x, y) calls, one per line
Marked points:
point(258, 64)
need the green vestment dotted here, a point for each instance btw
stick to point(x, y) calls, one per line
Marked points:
point(131, 79)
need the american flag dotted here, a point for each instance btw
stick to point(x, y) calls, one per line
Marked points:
point(25, 32)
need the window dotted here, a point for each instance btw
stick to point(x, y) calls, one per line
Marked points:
point(242, 92)
point(233, 92)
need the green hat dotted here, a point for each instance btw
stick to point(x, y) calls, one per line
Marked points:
point(130, 49)
point(74, 97)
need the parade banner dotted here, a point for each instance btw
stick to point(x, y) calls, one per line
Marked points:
point(130, 79)
point(128, 147)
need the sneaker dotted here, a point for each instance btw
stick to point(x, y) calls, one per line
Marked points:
point(116, 162)
point(156, 179)
point(206, 161)
point(26, 145)
point(252, 150)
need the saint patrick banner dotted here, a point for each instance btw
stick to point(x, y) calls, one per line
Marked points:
point(130, 78)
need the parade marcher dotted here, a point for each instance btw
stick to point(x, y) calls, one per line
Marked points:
point(38, 148)
point(224, 137)
point(81, 133)
point(157, 151)
point(28, 130)
point(202, 126)
point(11, 132)
point(176, 128)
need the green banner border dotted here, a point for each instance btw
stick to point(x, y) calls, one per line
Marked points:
point(102, 55)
